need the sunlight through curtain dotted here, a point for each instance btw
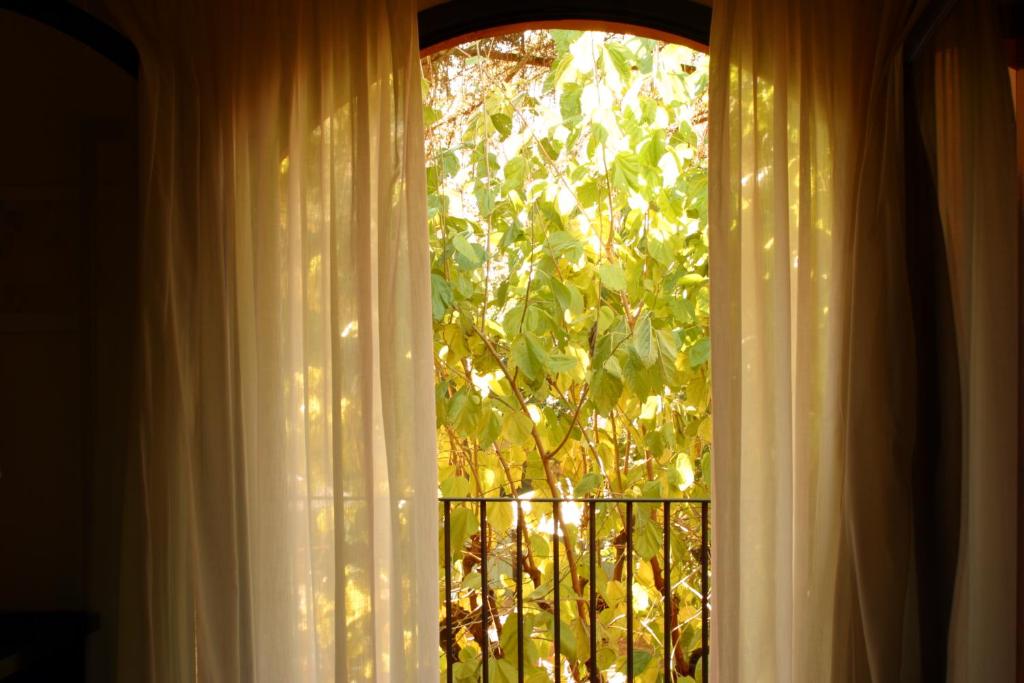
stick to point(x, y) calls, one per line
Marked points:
point(288, 459)
point(814, 356)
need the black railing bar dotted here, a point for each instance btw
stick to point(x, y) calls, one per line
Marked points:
point(449, 636)
point(666, 583)
point(593, 589)
point(485, 648)
point(521, 669)
point(704, 620)
point(629, 591)
point(558, 602)
point(506, 499)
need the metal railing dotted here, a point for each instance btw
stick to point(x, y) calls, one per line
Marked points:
point(674, 662)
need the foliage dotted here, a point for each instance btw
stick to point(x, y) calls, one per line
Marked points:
point(568, 213)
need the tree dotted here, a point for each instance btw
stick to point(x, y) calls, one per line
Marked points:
point(568, 219)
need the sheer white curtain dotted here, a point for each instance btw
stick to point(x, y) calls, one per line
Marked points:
point(288, 474)
point(814, 575)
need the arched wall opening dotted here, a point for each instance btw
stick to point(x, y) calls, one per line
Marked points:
point(447, 24)
point(543, 289)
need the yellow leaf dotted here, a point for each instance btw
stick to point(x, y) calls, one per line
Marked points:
point(685, 469)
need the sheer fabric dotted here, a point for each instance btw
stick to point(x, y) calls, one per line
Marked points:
point(288, 460)
point(966, 114)
point(814, 350)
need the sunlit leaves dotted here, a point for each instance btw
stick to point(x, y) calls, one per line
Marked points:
point(567, 217)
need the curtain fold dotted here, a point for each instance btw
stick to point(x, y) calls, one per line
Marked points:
point(288, 477)
point(967, 122)
point(817, 342)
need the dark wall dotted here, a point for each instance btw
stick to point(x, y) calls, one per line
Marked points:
point(68, 245)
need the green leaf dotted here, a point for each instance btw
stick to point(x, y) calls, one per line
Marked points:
point(691, 279)
point(626, 171)
point(605, 390)
point(430, 115)
point(569, 102)
point(464, 671)
point(517, 427)
point(473, 255)
point(515, 172)
point(668, 349)
point(641, 381)
point(464, 411)
point(488, 428)
point(641, 660)
point(699, 352)
point(612, 277)
point(502, 671)
point(449, 163)
point(539, 545)
point(455, 487)
point(530, 357)
point(558, 69)
point(508, 238)
point(560, 243)
point(560, 362)
point(484, 200)
point(440, 296)
point(551, 148)
point(653, 149)
point(567, 295)
point(643, 341)
point(503, 124)
point(620, 57)
point(648, 539)
point(569, 647)
point(587, 483)
point(463, 525)
point(605, 318)
point(499, 517)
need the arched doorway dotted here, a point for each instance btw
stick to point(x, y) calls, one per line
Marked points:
point(542, 211)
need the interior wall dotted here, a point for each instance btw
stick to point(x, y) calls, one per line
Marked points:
point(67, 287)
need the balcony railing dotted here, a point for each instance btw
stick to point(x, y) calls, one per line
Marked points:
point(683, 552)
